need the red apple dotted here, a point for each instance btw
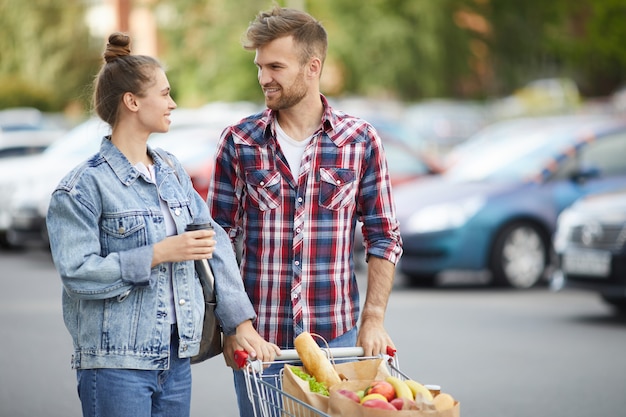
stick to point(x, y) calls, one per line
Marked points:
point(350, 394)
point(382, 387)
point(398, 403)
point(403, 404)
point(383, 405)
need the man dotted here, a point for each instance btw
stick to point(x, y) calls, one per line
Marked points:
point(294, 180)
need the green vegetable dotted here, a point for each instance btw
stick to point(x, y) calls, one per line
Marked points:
point(314, 386)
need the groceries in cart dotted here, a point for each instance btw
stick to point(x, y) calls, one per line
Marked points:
point(341, 382)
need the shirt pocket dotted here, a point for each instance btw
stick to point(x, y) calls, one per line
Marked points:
point(337, 187)
point(123, 232)
point(264, 188)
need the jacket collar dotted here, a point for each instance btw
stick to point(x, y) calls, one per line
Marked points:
point(120, 165)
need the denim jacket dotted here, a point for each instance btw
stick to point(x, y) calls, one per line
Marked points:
point(103, 220)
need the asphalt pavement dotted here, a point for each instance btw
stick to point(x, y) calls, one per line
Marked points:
point(501, 353)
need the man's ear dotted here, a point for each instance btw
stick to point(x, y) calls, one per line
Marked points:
point(129, 101)
point(315, 67)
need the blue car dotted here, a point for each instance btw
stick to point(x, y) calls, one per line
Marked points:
point(495, 209)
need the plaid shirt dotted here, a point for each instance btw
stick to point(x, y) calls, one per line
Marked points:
point(298, 234)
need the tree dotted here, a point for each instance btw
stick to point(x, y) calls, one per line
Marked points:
point(47, 50)
point(203, 53)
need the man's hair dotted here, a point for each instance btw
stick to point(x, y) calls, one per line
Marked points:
point(308, 33)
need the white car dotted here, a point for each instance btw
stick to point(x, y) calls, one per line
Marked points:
point(24, 200)
point(29, 177)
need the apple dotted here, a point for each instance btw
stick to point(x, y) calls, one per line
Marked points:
point(381, 404)
point(350, 394)
point(404, 404)
point(382, 387)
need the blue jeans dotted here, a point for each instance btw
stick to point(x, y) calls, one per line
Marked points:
point(347, 339)
point(108, 392)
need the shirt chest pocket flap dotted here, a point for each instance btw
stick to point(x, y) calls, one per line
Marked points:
point(337, 187)
point(264, 188)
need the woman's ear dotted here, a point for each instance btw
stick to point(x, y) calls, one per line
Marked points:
point(129, 101)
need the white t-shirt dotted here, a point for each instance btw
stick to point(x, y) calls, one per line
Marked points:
point(292, 149)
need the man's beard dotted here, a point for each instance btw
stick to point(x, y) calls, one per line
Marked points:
point(291, 96)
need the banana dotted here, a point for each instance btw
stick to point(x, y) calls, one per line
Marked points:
point(418, 389)
point(402, 389)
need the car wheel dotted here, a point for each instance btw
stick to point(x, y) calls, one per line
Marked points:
point(619, 303)
point(519, 256)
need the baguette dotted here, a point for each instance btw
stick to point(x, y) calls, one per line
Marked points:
point(314, 360)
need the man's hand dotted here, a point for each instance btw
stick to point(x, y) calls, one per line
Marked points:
point(246, 338)
point(373, 337)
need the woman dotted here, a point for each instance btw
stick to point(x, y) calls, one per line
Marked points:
point(132, 301)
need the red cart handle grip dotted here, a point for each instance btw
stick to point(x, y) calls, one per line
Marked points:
point(241, 357)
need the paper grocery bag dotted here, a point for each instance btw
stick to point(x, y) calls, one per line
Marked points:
point(367, 369)
point(341, 406)
point(299, 388)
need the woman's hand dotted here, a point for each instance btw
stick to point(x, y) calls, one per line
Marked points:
point(194, 245)
point(246, 338)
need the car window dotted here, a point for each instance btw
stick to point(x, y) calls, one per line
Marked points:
point(511, 160)
point(606, 154)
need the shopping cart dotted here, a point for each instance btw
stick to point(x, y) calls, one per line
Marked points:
point(265, 388)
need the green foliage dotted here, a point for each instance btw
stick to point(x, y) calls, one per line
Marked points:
point(48, 50)
point(204, 56)
point(409, 49)
point(15, 92)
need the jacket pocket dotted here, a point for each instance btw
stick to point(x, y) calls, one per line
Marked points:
point(264, 188)
point(337, 187)
point(123, 232)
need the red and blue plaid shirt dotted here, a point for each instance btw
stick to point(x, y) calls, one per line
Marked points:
point(298, 234)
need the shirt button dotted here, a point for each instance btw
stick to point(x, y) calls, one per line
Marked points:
point(297, 262)
point(338, 182)
point(182, 301)
point(298, 230)
point(262, 183)
point(299, 199)
point(177, 212)
point(121, 230)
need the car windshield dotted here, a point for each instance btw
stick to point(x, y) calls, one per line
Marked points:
point(515, 157)
point(81, 141)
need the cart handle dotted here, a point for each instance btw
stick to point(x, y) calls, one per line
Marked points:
point(241, 356)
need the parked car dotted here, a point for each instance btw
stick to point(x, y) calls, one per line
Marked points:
point(590, 243)
point(442, 124)
point(405, 165)
point(25, 131)
point(25, 196)
point(32, 178)
point(496, 210)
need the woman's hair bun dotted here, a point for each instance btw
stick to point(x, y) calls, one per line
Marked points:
point(119, 45)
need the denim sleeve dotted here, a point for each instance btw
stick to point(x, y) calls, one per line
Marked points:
point(233, 305)
point(75, 245)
